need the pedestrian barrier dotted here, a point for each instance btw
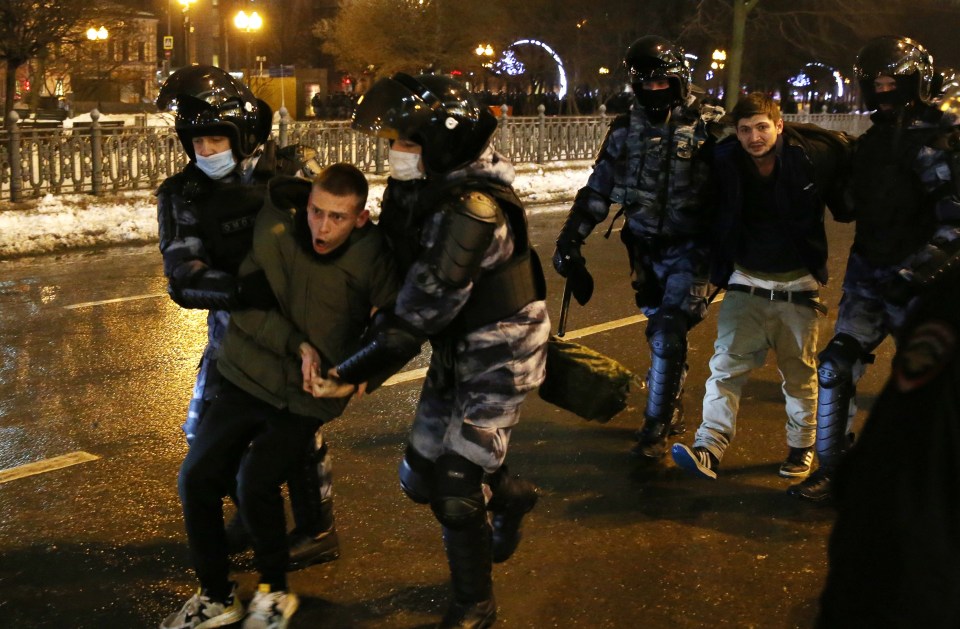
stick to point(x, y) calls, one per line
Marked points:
point(102, 157)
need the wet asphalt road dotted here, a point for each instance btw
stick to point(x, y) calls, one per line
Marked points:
point(613, 543)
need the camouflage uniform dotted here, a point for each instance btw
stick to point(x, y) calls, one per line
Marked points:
point(657, 172)
point(205, 229)
point(907, 208)
point(477, 379)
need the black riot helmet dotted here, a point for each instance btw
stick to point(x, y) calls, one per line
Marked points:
point(434, 111)
point(208, 101)
point(654, 58)
point(901, 58)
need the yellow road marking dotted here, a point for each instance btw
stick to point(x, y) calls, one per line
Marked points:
point(47, 465)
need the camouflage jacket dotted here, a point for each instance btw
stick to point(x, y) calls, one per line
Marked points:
point(514, 344)
point(657, 172)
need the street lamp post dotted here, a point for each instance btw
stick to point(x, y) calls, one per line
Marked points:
point(485, 52)
point(98, 35)
point(719, 60)
point(248, 24)
point(187, 48)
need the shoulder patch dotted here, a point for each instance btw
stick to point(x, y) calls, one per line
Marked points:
point(923, 355)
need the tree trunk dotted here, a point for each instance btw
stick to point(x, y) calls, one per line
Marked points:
point(741, 8)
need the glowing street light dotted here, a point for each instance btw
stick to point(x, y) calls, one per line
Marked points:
point(98, 35)
point(249, 24)
point(719, 60)
point(187, 47)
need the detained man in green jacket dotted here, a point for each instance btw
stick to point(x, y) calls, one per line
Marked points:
point(329, 270)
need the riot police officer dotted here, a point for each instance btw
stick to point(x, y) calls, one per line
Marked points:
point(907, 215)
point(473, 287)
point(206, 215)
point(653, 163)
point(891, 553)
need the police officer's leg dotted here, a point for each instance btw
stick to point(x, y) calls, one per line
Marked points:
point(835, 376)
point(433, 473)
point(681, 270)
point(198, 404)
point(458, 504)
point(487, 407)
point(314, 537)
point(511, 499)
point(667, 337)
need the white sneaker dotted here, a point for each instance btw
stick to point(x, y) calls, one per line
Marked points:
point(200, 612)
point(270, 610)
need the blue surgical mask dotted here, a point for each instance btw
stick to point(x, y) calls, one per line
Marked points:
point(404, 166)
point(217, 166)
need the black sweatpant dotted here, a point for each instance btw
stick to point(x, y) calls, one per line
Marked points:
point(242, 438)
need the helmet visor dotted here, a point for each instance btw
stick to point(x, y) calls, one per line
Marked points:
point(196, 112)
point(390, 110)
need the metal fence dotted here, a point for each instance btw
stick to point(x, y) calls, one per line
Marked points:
point(102, 158)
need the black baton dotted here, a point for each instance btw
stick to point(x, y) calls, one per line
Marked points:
point(564, 308)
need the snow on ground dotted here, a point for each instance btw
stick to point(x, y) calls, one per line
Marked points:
point(59, 222)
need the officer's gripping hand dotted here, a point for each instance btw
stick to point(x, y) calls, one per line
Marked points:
point(899, 289)
point(569, 262)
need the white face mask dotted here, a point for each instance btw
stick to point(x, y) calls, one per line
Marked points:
point(217, 166)
point(404, 166)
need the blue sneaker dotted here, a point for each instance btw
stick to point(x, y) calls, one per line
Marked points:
point(697, 460)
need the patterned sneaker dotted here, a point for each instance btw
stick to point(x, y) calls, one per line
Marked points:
point(697, 460)
point(798, 463)
point(201, 612)
point(270, 610)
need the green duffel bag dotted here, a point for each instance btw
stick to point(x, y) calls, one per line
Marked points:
point(584, 381)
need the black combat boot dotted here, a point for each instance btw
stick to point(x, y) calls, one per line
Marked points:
point(833, 411)
point(314, 537)
point(469, 555)
point(238, 537)
point(309, 549)
point(652, 436)
point(512, 499)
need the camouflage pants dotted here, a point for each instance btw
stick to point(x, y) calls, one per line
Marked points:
point(863, 313)
point(669, 276)
point(473, 389)
point(205, 386)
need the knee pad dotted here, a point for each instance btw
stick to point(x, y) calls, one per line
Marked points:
point(837, 361)
point(458, 500)
point(667, 334)
point(416, 476)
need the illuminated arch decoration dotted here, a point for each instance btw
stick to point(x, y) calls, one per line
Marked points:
point(513, 66)
point(804, 80)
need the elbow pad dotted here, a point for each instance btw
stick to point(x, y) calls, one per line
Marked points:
point(466, 232)
point(389, 346)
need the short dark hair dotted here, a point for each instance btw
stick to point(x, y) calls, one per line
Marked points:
point(343, 180)
point(755, 104)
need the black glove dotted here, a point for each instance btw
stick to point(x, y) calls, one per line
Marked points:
point(254, 291)
point(567, 259)
point(209, 290)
